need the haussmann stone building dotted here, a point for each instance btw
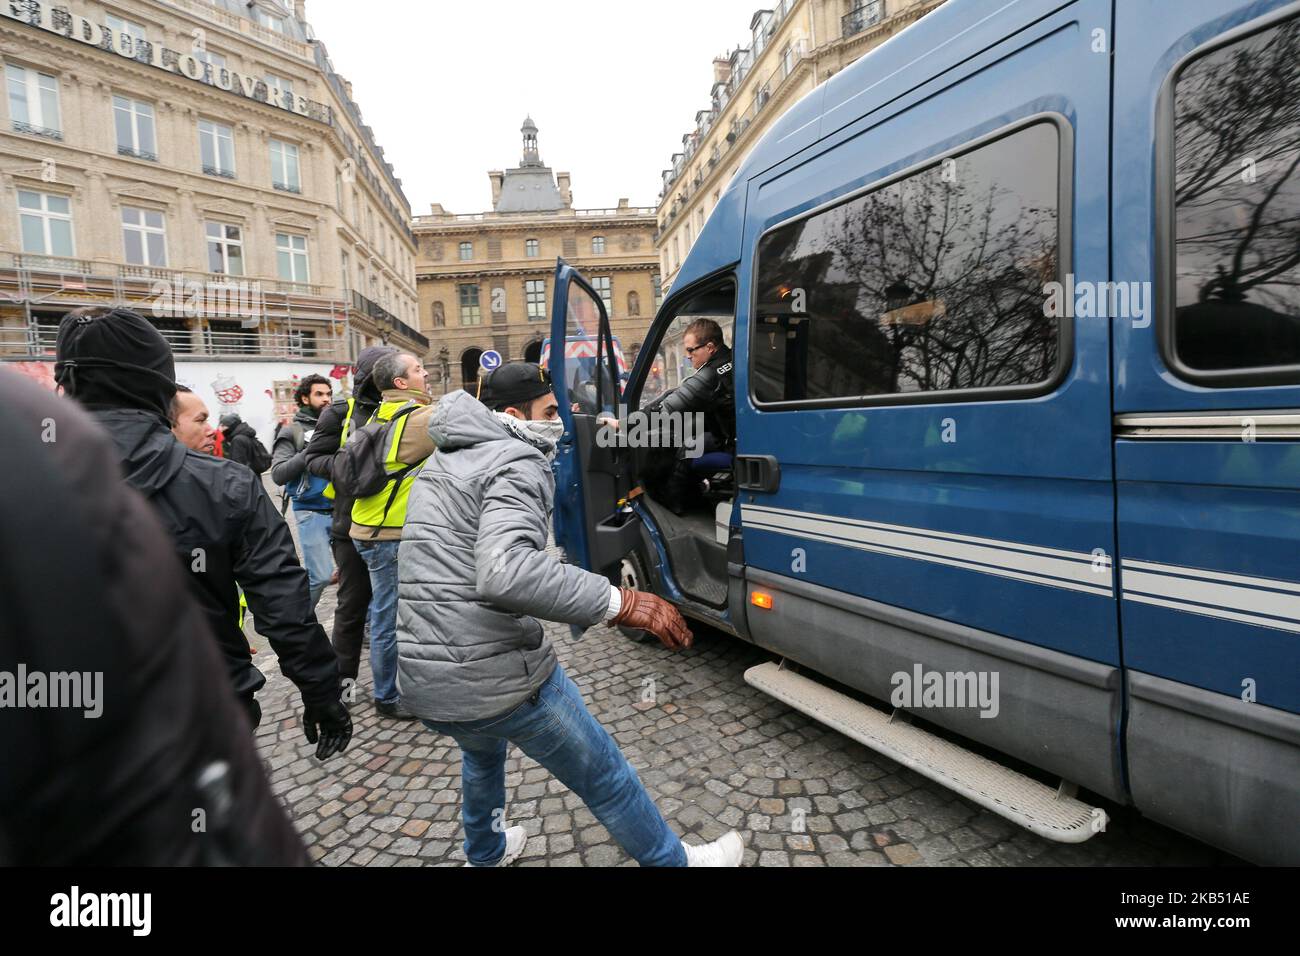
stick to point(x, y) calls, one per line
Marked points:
point(486, 279)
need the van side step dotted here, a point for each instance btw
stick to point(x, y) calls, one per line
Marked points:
point(1054, 814)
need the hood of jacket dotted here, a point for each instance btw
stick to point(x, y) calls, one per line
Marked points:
point(462, 421)
point(239, 427)
point(362, 389)
point(151, 456)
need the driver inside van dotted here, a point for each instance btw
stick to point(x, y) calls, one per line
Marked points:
point(710, 392)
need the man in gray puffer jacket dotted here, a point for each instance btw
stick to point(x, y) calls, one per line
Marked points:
point(473, 662)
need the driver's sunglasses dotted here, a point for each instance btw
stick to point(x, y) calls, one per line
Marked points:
point(691, 349)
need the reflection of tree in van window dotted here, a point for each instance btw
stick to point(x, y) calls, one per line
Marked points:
point(933, 282)
point(1237, 202)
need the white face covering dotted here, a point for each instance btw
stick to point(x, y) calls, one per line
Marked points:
point(541, 434)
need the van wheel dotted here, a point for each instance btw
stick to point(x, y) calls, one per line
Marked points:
point(632, 574)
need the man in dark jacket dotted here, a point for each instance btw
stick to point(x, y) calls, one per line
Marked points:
point(336, 422)
point(223, 526)
point(119, 783)
point(710, 392)
point(311, 508)
point(241, 444)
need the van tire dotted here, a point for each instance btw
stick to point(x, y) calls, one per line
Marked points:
point(631, 573)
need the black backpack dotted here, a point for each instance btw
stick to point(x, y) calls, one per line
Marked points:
point(358, 469)
point(259, 457)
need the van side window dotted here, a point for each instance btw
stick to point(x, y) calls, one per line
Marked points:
point(930, 283)
point(1237, 205)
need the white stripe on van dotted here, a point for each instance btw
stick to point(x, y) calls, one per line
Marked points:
point(1002, 559)
point(1218, 612)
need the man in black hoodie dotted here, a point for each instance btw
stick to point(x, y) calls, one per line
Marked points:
point(336, 422)
point(241, 444)
point(223, 525)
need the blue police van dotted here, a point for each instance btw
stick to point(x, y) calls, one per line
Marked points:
point(1015, 309)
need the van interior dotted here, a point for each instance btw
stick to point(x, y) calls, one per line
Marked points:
point(695, 536)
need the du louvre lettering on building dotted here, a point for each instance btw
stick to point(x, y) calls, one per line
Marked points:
point(88, 30)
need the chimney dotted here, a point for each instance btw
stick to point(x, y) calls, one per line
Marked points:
point(622, 204)
point(497, 177)
point(300, 10)
point(435, 209)
point(347, 87)
point(566, 194)
point(721, 69)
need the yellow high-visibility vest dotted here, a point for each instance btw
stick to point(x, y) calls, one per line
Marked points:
point(343, 440)
point(387, 509)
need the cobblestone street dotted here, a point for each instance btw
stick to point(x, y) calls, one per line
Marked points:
point(714, 753)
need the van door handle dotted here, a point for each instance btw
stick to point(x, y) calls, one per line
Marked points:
point(758, 473)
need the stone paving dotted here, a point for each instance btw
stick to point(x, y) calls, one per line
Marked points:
point(714, 753)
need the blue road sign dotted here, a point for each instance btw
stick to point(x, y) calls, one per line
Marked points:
point(490, 360)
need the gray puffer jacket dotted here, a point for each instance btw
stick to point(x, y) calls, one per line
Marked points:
point(474, 570)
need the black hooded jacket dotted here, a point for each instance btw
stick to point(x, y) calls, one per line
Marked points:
point(324, 444)
point(242, 445)
point(102, 594)
point(225, 529)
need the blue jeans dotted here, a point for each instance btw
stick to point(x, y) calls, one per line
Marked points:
point(381, 561)
point(559, 733)
point(314, 539)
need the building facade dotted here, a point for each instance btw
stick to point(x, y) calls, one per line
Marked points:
point(203, 163)
point(792, 48)
point(486, 279)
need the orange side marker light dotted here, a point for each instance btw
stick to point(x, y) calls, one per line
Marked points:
point(761, 599)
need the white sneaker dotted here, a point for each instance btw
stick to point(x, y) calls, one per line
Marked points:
point(727, 850)
point(516, 837)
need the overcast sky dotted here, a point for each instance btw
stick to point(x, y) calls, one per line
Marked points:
point(611, 84)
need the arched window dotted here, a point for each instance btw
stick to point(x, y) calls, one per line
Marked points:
point(439, 316)
point(633, 303)
point(469, 369)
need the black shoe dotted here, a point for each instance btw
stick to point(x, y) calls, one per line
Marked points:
point(394, 711)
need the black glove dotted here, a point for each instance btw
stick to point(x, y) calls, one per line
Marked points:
point(331, 722)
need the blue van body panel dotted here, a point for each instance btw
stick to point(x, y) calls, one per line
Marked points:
point(1032, 476)
point(1147, 587)
point(1142, 380)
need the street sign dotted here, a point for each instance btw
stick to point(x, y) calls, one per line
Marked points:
point(490, 360)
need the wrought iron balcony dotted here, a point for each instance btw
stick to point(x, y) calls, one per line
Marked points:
point(47, 132)
point(137, 153)
point(382, 316)
point(218, 171)
point(858, 19)
point(287, 187)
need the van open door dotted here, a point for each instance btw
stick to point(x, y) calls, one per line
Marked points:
point(592, 523)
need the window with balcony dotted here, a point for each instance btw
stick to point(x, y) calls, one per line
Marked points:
point(345, 267)
point(217, 149)
point(284, 167)
point(532, 248)
point(144, 236)
point(33, 102)
point(657, 283)
point(133, 121)
point(45, 220)
point(466, 251)
point(291, 257)
point(467, 294)
point(598, 245)
point(225, 242)
point(535, 299)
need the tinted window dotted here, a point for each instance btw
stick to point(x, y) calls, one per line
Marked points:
point(1237, 204)
point(930, 283)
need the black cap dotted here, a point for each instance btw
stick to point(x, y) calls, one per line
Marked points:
point(114, 358)
point(514, 383)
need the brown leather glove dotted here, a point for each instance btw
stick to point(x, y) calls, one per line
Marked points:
point(652, 613)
